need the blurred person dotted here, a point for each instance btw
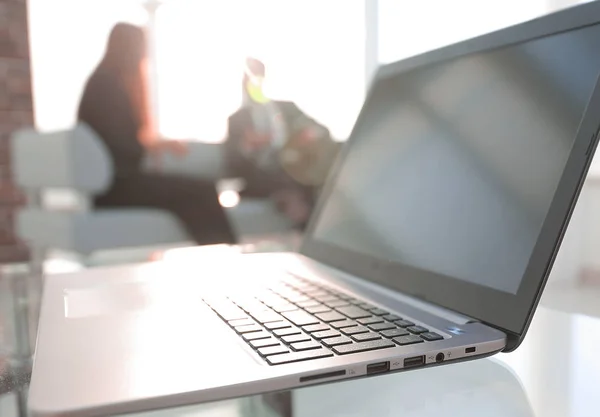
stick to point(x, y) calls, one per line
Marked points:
point(278, 150)
point(115, 105)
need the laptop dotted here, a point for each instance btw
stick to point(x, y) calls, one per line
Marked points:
point(430, 245)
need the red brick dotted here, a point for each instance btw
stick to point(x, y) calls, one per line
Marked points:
point(7, 234)
point(10, 195)
point(14, 40)
point(4, 152)
point(15, 85)
point(14, 253)
point(16, 111)
point(5, 173)
point(13, 119)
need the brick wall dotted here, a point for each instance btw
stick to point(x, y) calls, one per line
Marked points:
point(16, 110)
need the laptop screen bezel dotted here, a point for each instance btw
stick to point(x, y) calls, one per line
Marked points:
point(509, 312)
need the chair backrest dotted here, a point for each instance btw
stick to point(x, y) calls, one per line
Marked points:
point(74, 159)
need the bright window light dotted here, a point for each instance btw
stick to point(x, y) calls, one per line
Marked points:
point(313, 50)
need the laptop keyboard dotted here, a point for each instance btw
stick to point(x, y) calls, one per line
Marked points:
point(298, 320)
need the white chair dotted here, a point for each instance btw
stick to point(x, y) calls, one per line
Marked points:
point(76, 161)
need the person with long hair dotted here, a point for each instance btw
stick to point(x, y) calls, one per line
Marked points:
point(115, 105)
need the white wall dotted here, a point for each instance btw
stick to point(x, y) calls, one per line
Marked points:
point(580, 249)
point(67, 39)
point(591, 229)
point(408, 28)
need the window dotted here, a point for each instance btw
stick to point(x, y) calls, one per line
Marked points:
point(413, 27)
point(313, 51)
point(67, 39)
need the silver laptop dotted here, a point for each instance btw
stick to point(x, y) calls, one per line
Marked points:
point(430, 245)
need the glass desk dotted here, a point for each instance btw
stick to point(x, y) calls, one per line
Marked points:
point(556, 372)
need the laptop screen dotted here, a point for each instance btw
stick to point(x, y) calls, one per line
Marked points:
point(452, 167)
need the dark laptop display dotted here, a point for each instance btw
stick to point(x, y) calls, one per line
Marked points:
point(455, 165)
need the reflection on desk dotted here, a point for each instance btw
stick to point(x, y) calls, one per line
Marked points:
point(479, 388)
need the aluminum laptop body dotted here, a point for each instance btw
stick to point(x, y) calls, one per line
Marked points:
point(431, 243)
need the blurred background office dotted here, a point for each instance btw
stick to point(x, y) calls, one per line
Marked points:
point(321, 55)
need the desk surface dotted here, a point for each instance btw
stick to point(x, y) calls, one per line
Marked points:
point(556, 372)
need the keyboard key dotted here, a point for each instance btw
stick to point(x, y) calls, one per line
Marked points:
point(394, 333)
point(266, 316)
point(248, 328)
point(258, 343)
point(273, 350)
point(417, 329)
point(337, 303)
point(311, 344)
point(256, 335)
point(318, 309)
point(319, 293)
point(408, 340)
point(363, 346)
point(298, 356)
point(272, 300)
point(285, 307)
point(315, 328)
point(366, 306)
point(381, 326)
point(431, 336)
point(326, 297)
point(300, 318)
point(230, 312)
point(404, 323)
point(363, 337)
point(297, 298)
point(335, 341)
point(353, 300)
point(305, 285)
point(309, 303)
point(353, 312)
point(325, 334)
point(312, 290)
point(330, 316)
point(277, 325)
point(286, 332)
point(294, 338)
point(370, 320)
point(354, 330)
point(392, 317)
point(241, 322)
point(342, 323)
point(344, 297)
point(253, 306)
point(379, 311)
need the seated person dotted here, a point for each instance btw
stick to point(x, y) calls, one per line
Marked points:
point(115, 105)
point(277, 149)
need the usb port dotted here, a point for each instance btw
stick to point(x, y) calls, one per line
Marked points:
point(379, 367)
point(470, 349)
point(414, 361)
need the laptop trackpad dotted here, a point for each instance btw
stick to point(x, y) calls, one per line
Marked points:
point(119, 298)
